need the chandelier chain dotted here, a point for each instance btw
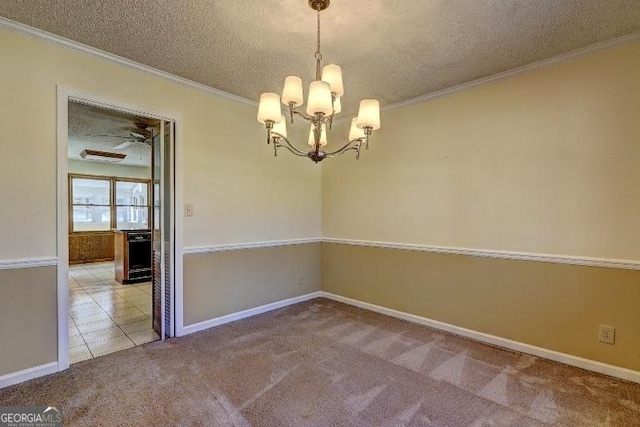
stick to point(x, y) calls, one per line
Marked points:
point(318, 54)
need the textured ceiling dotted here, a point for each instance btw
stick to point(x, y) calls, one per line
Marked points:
point(393, 50)
point(101, 129)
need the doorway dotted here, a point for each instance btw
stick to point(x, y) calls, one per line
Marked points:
point(112, 299)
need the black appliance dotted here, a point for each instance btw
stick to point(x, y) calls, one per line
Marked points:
point(139, 259)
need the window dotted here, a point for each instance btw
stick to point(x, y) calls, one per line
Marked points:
point(91, 204)
point(103, 203)
point(132, 205)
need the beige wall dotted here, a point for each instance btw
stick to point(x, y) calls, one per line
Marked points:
point(240, 192)
point(28, 313)
point(547, 162)
point(220, 283)
point(553, 306)
point(107, 169)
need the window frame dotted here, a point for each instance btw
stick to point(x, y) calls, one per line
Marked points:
point(113, 206)
point(147, 182)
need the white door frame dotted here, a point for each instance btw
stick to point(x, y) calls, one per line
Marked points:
point(64, 95)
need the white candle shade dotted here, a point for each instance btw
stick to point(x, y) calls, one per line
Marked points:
point(292, 91)
point(369, 114)
point(281, 127)
point(319, 98)
point(269, 108)
point(355, 132)
point(332, 74)
point(337, 106)
point(323, 136)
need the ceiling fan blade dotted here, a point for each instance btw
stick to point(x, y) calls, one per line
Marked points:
point(138, 136)
point(123, 145)
point(103, 136)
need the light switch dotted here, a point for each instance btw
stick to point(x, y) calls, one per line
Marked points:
point(188, 209)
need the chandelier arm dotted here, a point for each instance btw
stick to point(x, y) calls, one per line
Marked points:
point(300, 154)
point(348, 146)
point(289, 145)
point(304, 116)
point(341, 152)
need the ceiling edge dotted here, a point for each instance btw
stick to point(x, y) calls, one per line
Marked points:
point(91, 51)
point(600, 46)
point(106, 56)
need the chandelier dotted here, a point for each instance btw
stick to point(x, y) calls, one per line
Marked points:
point(323, 104)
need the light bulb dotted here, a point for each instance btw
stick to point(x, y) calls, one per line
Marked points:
point(292, 91)
point(269, 108)
point(319, 98)
point(323, 136)
point(281, 127)
point(332, 74)
point(337, 106)
point(355, 132)
point(369, 114)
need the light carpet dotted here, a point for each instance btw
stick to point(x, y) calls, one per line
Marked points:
point(322, 363)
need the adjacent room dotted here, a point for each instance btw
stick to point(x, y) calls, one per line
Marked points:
point(315, 212)
point(110, 237)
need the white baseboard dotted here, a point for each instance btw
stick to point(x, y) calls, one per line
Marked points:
point(196, 327)
point(591, 365)
point(28, 374)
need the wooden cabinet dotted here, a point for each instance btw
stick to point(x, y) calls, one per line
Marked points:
point(90, 247)
point(120, 256)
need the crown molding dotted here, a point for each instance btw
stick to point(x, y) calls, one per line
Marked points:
point(101, 54)
point(488, 253)
point(525, 69)
point(252, 245)
point(119, 60)
point(14, 264)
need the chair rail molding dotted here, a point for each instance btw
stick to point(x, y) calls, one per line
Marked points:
point(14, 264)
point(250, 245)
point(490, 253)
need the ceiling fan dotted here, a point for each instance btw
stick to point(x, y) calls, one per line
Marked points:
point(136, 137)
point(142, 133)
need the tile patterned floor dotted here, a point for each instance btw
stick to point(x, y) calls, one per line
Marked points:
point(105, 316)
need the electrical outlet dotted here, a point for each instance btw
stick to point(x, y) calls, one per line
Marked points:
point(607, 334)
point(300, 280)
point(188, 209)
